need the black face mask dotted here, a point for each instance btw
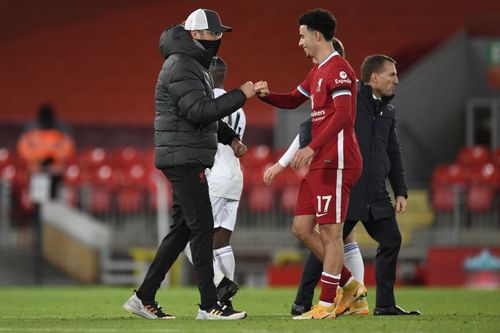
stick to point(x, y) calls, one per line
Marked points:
point(212, 46)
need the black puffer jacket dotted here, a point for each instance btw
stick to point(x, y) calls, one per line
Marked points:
point(376, 130)
point(187, 125)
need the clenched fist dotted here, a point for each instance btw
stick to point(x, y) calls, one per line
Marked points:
point(248, 89)
point(239, 148)
point(261, 89)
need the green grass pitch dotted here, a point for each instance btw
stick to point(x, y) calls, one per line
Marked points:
point(98, 309)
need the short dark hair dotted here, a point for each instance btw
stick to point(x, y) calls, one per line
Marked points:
point(338, 46)
point(320, 20)
point(373, 64)
point(218, 71)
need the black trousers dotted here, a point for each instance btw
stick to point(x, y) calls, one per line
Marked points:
point(192, 221)
point(386, 233)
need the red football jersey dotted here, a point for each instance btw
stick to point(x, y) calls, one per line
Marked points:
point(339, 147)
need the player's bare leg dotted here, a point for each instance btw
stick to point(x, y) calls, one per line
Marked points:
point(303, 229)
point(333, 247)
point(329, 245)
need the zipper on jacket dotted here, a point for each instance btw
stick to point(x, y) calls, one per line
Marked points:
point(370, 161)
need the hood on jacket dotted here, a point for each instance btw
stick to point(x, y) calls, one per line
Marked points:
point(176, 39)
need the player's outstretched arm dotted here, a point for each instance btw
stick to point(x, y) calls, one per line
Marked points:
point(290, 100)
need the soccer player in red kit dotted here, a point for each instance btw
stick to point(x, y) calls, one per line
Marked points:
point(334, 157)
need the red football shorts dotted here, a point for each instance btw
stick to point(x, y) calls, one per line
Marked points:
point(325, 193)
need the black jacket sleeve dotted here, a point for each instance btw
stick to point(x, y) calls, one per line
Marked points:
point(188, 87)
point(397, 173)
point(305, 136)
point(225, 134)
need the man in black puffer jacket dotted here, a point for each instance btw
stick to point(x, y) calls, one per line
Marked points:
point(187, 129)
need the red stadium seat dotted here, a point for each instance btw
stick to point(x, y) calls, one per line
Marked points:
point(261, 199)
point(483, 182)
point(253, 175)
point(5, 157)
point(93, 158)
point(134, 175)
point(149, 158)
point(443, 199)
point(100, 200)
point(488, 175)
point(154, 177)
point(127, 156)
point(480, 199)
point(452, 174)
point(19, 178)
point(289, 197)
point(17, 175)
point(131, 193)
point(129, 199)
point(105, 176)
point(73, 175)
point(496, 157)
point(72, 181)
point(447, 185)
point(258, 156)
point(473, 156)
point(102, 184)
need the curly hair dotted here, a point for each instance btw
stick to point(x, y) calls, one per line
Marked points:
point(320, 20)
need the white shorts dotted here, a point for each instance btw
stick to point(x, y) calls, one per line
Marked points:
point(225, 211)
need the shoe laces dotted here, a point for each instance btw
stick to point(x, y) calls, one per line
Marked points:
point(155, 309)
point(222, 306)
point(317, 308)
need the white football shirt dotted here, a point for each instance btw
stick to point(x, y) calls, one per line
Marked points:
point(225, 179)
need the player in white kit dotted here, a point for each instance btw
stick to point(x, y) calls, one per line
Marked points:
point(225, 183)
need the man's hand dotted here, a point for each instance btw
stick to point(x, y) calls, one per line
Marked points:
point(239, 148)
point(248, 89)
point(400, 204)
point(302, 156)
point(272, 172)
point(261, 89)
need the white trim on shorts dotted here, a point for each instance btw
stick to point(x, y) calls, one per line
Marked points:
point(338, 197)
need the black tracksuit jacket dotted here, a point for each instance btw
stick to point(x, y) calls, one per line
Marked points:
point(187, 126)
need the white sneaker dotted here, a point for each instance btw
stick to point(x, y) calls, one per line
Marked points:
point(220, 312)
point(150, 311)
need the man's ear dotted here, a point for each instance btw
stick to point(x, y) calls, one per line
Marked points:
point(317, 36)
point(374, 77)
point(194, 34)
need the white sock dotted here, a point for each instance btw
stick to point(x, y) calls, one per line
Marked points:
point(224, 256)
point(218, 275)
point(354, 261)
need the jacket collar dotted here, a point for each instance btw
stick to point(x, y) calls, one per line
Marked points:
point(365, 90)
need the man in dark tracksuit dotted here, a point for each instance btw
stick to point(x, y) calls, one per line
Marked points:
point(370, 203)
point(187, 128)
